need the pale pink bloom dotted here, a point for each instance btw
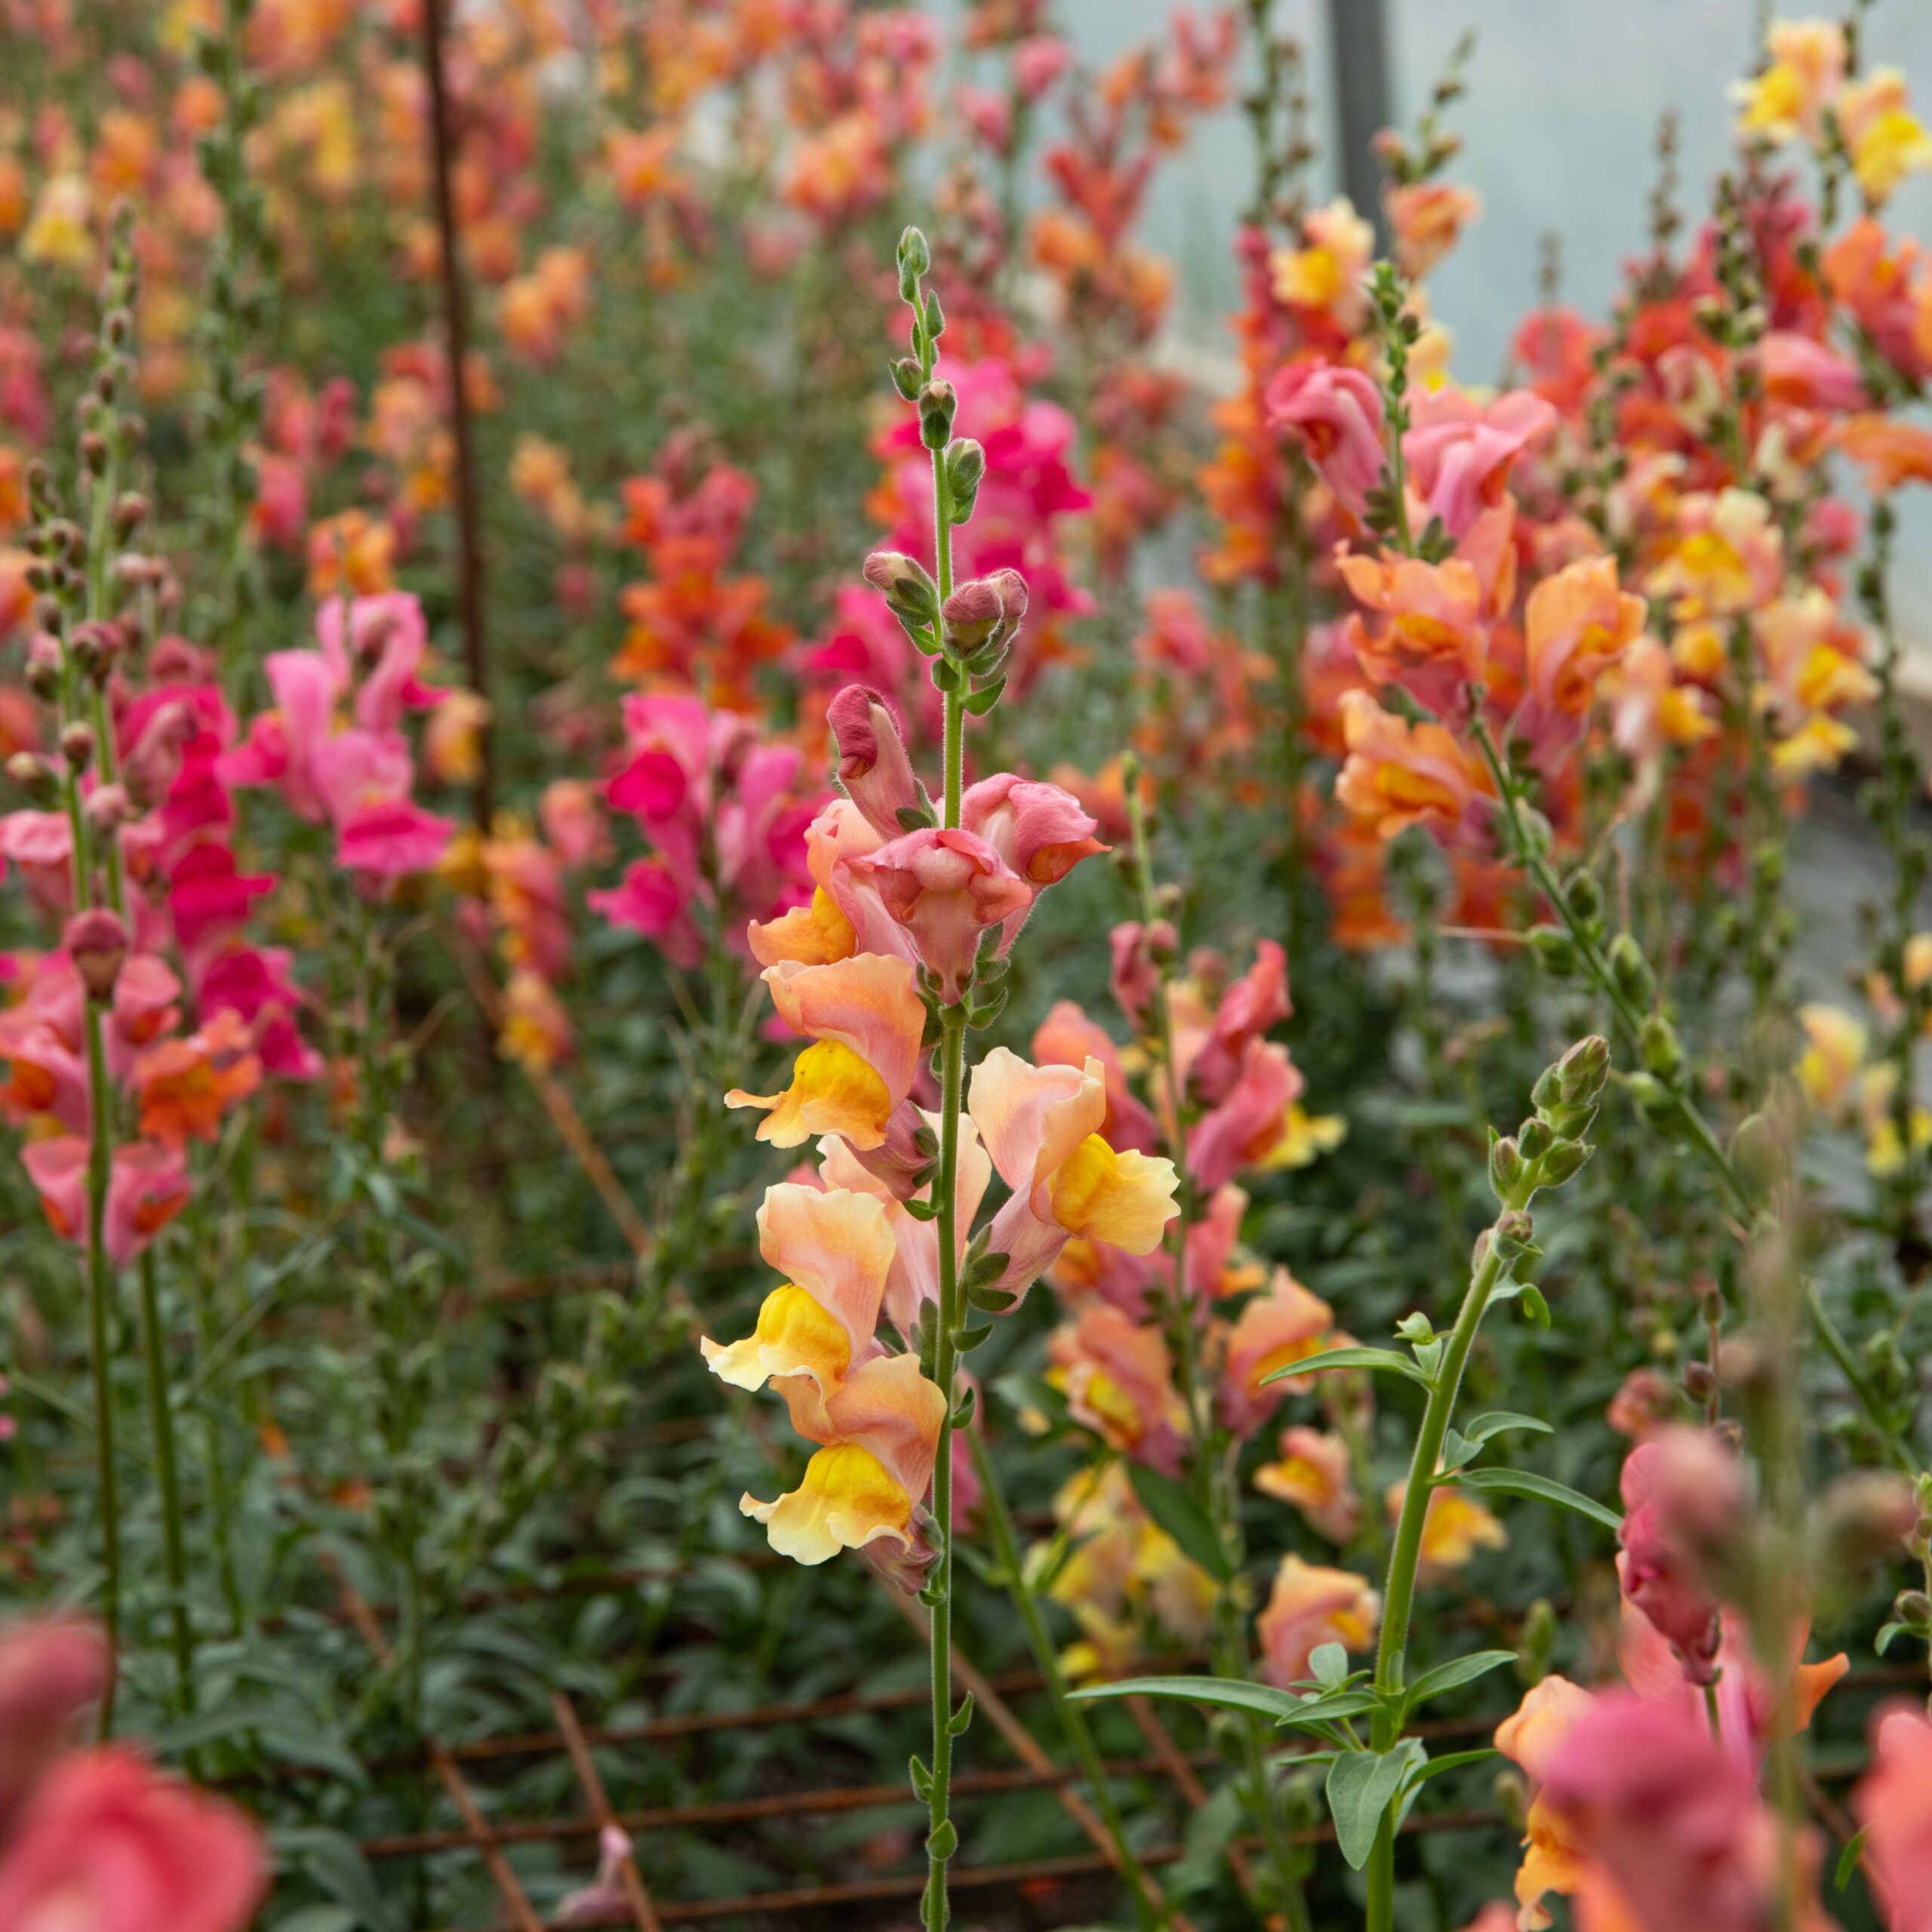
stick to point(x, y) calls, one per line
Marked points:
point(1802, 373)
point(42, 844)
point(1039, 61)
point(1136, 977)
point(1893, 1803)
point(873, 768)
point(1256, 1002)
point(1247, 1123)
point(1337, 413)
point(284, 746)
point(572, 821)
point(1041, 831)
point(1427, 216)
point(945, 887)
point(1671, 1820)
point(52, 1669)
point(107, 1844)
point(1459, 451)
point(387, 641)
point(47, 1077)
point(1683, 1497)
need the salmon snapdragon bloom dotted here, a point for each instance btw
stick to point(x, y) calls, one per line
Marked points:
point(1118, 1377)
point(1531, 1738)
point(1310, 1605)
point(1427, 217)
point(865, 1019)
point(1316, 1475)
point(1430, 637)
point(1274, 1330)
point(1729, 556)
point(1398, 775)
point(1887, 453)
point(1576, 625)
point(1041, 1126)
point(834, 1249)
point(1326, 275)
point(1894, 1804)
point(866, 1484)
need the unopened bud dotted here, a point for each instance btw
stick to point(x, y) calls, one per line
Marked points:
point(904, 584)
point(1563, 1161)
point(1662, 1051)
point(108, 809)
point(906, 376)
point(965, 465)
point(1632, 971)
point(971, 615)
point(35, 776)
point(1700, 1381)
point(77, 745)
point(93, 452)
point(1912, 1606)
point(1556, 951)
point(1518, 1226)
point(1163, 944)
point(1535, 1138)
point(1584, 895)
point(1757, 1155)
point(96, 942)
point(43, 661)
point(1581, 1072)
point(1505, 1167)
point(130, 512)
point(938, 405)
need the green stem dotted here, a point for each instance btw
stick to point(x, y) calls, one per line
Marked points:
point(162, 1407)
point(1398, 1594)
point(1149, 1907)
point(101, 1297)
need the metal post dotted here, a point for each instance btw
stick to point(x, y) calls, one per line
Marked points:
point(1358, 36)
point(456, 321)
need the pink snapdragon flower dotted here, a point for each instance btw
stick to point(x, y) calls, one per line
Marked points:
point(1336, 413)
point(1459, 452)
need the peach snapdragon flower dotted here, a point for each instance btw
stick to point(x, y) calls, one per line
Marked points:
point(1310, 1605)
point(1316, 1475)
point(1398, 775)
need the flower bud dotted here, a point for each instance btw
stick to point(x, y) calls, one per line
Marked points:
point(130, 512)
point(43, 659)
point(906, 376)
point(1662, 1051)
point(904, 584)
point(1700, 1381)
point(1632, 971)
point(1582, 1071)
point(95, 645)
point(1865, 1518)
point(1506, 1166)
point(1535, 1138)
point(1556, 951)
point(77, 746)
point(108, 808)
point(1562, 1162)
point(93, 452)
point(1912, 1606)
point(1584, 894)
point(1756, 1155)
point(938, 405)
point(35, 776)
point(96, 942)
point(915, 258)
point(873, 768)
point(971, 615)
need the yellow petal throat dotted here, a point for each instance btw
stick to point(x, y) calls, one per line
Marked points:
point(847, 1499)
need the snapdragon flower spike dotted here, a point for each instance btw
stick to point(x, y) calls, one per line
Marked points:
point(866, 1021)
point(1041, 1125)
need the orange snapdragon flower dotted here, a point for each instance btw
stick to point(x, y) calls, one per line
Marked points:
point(1576, 626)
point(1310, 1605)
point(187, 1085)
point(1398, 775)
point(1431, 613)
point(1316, 1475)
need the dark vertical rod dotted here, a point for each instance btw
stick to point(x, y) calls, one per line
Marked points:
point(456, 320)
point(1358, 40)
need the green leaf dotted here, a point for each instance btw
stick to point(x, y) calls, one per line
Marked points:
point(1457, 1671)
point(1493, 1422)
point(1330, 1664)
point(1229, 1693)
point(318, 1918)
point(981, 702)
point(1329, 1707)
point(942, 1844)
point(1523, 1482)
point(1361, 1785)
point(922, 1778)
point(1883, 1641)
point(1384, 1361)
point(1453, 1760)
point(1174, 1510)
point(1848, 1859)
point(958, 1723)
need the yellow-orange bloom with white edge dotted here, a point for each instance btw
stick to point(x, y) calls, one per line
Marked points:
point(865, 1019)
point(1041, 1126)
